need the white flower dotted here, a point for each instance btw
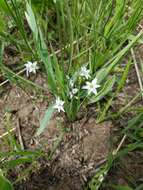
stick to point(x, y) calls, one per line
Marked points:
point(59, 105)
point(73, 92)
point(84, 72)
point(91, 87)
point(101, 178)
point(67, 77)
point(31, 67)
point(71, 83)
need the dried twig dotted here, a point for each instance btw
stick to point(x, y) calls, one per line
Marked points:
point(7, 80)
point(120, 145)
point(6, 133)
point(137, 71)
point(19, 135)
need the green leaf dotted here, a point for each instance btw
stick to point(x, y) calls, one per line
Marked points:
point(4, 7)
point(104, 72)
point(131, 37)
point(129, 148)
point(2, 24)
point(59, 74)
point(45, 120)
point(114, 22)
point(123, 78)
point(20, 153)
point(5, 183)
point(41, 47)
point(31, 20)
point(13, 163)
point(44, 55)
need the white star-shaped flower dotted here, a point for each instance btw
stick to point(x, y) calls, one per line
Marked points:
point(59, 105)
point(71, 83)
point(101, 178)
point(84, 72)
point(31, 67)
point(91, 87)
point(73, 92)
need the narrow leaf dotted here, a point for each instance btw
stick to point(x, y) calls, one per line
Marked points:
point(5, 183)
point(45, 120)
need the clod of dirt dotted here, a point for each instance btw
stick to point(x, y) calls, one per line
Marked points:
point(96, 144)
point(78, 153)
point(25, 111)
point(76, 157)
point(16, 99)
point(85, 147)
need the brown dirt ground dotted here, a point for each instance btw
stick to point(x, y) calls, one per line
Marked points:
point(82, 147)
point(79, 152)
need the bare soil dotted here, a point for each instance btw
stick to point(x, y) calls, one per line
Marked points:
point(81, 146)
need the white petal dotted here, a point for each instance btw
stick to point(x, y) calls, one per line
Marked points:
point(58, 109)
point(87, 76)
point(75, 90)
point(59, 104)
point(71, 95)
point(94, 81)
point(97, 86)
point(27, 73)
point(71, 82)
point(94, 91)
point(62, 109)
point(85, 87)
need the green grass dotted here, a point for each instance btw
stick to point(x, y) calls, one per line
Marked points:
point(133, 135)
point(95, 33)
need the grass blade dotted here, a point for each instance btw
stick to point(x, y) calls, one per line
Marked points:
point(5, 183)
point(45, 120)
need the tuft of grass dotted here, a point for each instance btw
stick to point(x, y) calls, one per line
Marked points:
point(97, 34)
point(133, 135)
